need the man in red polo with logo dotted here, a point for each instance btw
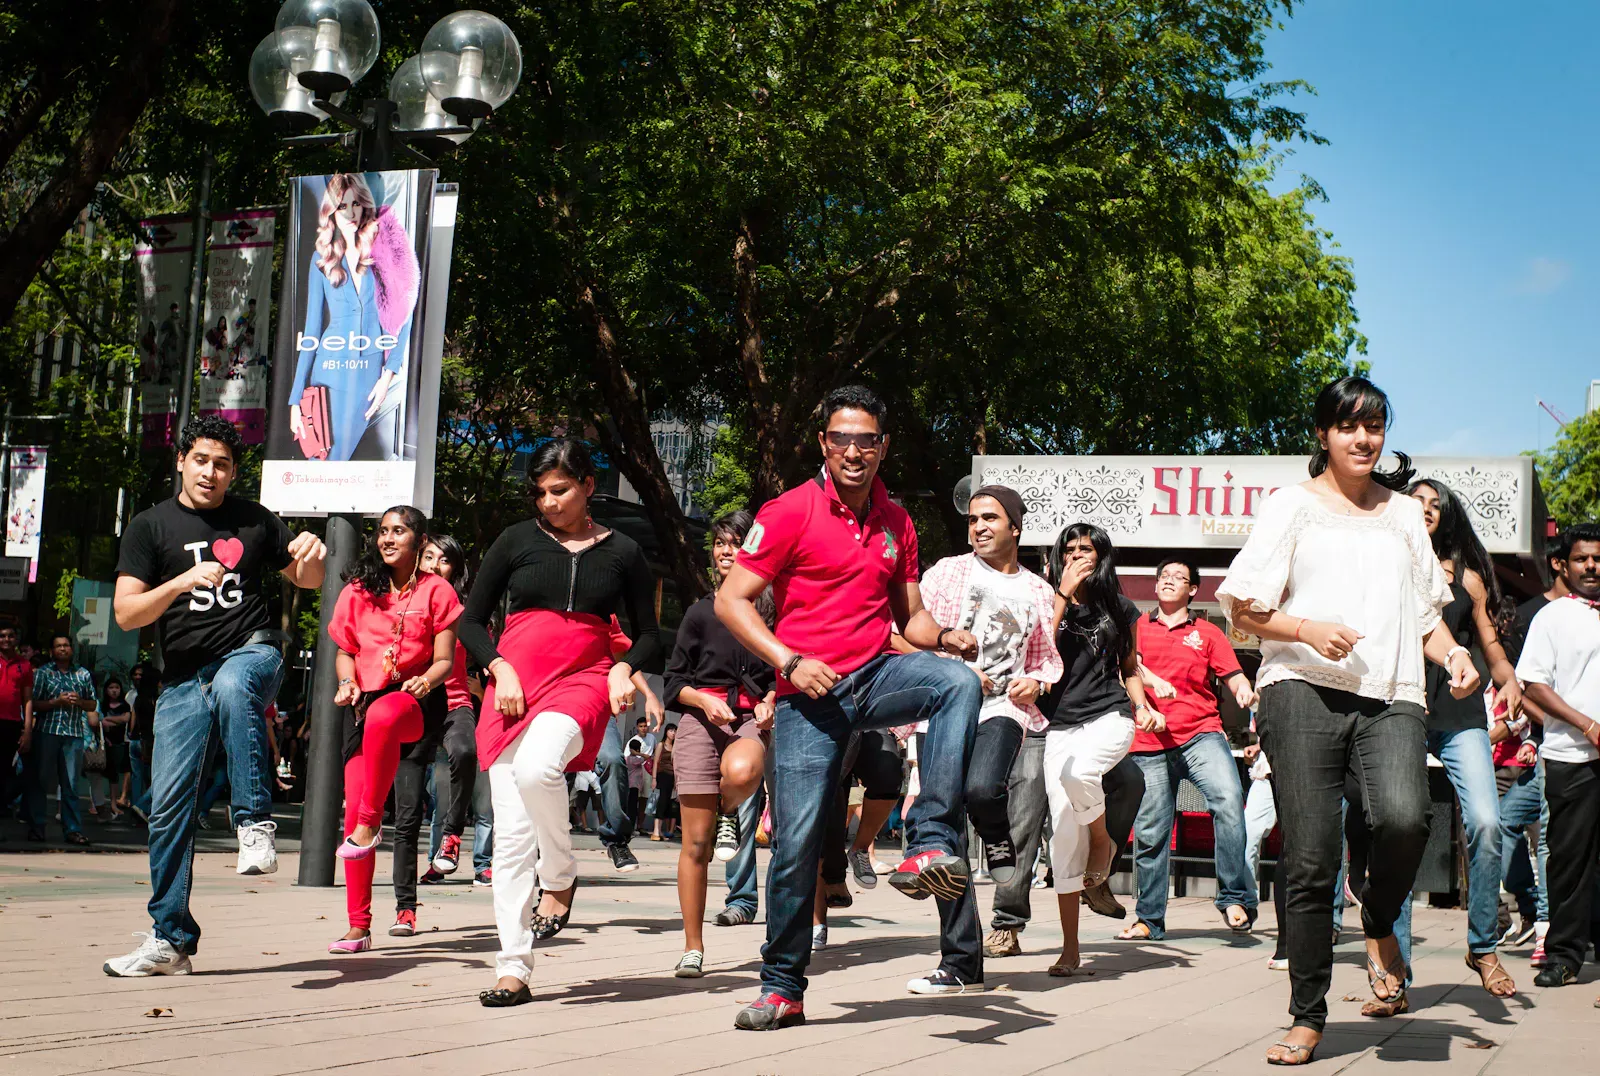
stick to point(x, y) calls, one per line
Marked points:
point(841, 559)
point(1187, 652)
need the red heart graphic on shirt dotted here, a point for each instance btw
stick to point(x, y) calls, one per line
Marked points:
point(229, 551)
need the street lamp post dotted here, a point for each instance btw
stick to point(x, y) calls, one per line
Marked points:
point(301, 75)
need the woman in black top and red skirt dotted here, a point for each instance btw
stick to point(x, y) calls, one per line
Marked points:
point(555, 686)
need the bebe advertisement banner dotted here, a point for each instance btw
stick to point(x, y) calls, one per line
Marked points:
point(164, 255)
point(348, 380)
point(25, 500)
point(235, 339)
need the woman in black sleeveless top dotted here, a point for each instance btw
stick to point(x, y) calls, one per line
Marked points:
point(1478, 616)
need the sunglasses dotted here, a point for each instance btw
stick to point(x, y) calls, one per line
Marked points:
point(865, 442)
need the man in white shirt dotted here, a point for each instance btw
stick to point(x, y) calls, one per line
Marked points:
point(1560, 665)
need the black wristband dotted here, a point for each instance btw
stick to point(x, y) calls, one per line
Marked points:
point(938, 643)
point(790, 665)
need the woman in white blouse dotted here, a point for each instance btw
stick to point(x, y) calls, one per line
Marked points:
point(1340, 582)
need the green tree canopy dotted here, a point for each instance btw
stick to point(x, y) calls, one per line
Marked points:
point(1569, 472)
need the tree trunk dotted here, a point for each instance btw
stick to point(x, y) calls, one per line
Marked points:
point(635, 453)
point(129, 87)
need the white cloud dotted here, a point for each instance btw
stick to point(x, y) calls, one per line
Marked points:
point(1542, 275)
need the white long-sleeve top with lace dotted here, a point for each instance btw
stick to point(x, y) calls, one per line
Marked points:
point(1377, 574)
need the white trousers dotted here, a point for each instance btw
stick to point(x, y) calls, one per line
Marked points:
point(532, 834)
point(1075, 761)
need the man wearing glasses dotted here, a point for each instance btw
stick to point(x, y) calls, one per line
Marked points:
point(1186, 651)
point(841, 559)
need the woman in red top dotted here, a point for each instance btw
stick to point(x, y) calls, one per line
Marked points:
point(395, 628)
point(555, 687)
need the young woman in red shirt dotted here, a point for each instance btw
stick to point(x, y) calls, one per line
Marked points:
point(395, 628)
point(555, 687)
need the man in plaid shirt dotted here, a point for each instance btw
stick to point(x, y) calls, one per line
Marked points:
point(63, 699)
point(1009, 610)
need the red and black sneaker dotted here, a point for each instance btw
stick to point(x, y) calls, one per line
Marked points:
point(405, 923)
point(931, 874)
point(449, 855)
point(769, 1012)
point(430, 877)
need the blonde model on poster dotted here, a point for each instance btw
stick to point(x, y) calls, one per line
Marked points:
point(361, 290)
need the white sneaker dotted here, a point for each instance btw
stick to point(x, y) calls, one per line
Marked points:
point(819, 937)
point(944, 982)
point(155, 956)
point(258, 854)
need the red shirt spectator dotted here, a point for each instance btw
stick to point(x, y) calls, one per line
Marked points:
point(1186, 655)
point(15, 673)
point(830, 574)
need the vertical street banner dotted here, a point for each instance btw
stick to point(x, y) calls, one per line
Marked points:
point(164, 258)
point(235, 339)
point(348, 370)
point(25, 500)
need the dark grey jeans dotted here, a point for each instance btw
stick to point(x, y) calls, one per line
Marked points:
point(1316, 737)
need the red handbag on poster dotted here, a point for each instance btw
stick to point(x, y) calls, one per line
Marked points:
point(313, 438)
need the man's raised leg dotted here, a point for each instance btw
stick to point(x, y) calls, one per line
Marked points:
point(243, 686)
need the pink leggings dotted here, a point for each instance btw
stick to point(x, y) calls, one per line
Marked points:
point(392, 720)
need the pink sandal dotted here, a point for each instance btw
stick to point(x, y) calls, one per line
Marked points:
point(349, 849)
point(348, 946)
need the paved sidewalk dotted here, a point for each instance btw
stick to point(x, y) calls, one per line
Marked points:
point(266, 998)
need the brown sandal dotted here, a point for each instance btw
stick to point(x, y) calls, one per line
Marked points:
point(1378, 1009)
point(1059, 970)
point(1493, 975)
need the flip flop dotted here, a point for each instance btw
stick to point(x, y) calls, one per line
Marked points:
point(1058, 970)
point(1139, 931)
point(1304, 1055)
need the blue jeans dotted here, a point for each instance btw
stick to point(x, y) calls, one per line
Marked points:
point(741, 869)
point(1469, 761)
point(139, 763)
point(1520, 808)
point(616, 823)
point(61, 758)
point(1206, 761)
point(222, 706)
point(809, 740)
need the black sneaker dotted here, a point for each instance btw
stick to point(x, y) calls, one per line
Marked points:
point(944, 982)
point(622, 858)
point(1555, 974)
point(727, 845)
point(1001, 860)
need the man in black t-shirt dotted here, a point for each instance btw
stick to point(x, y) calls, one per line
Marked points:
point(196, 564)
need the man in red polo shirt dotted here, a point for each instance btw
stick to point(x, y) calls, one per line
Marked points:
point(1187, 651)
point(16, 710)
point(841, 559)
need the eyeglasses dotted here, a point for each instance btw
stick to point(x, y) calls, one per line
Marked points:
point(1167, 577)
point(865, 442)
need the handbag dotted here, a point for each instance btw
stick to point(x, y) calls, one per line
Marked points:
point(315, 437)
point(94, 756)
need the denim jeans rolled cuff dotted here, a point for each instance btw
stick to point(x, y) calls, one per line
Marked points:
point(1469, 763)
point(1026, 810)
point(224, 703)
point(1315, 737)
point(809, 737)
point(616, 823)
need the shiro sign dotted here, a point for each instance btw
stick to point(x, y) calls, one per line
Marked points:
point(1195, 501)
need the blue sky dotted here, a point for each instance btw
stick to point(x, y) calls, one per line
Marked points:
point(1462, 173)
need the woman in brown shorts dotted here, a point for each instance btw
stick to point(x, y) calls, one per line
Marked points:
point(726, 695)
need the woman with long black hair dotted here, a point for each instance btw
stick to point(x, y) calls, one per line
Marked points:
point(727, 696)
point(443, 556)
point(1093, 710)
point(1340, 583)
point(555, 687)
point(1478, 617)
point(395, 626)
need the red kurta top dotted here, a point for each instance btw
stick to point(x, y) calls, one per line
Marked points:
point(364, 627)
